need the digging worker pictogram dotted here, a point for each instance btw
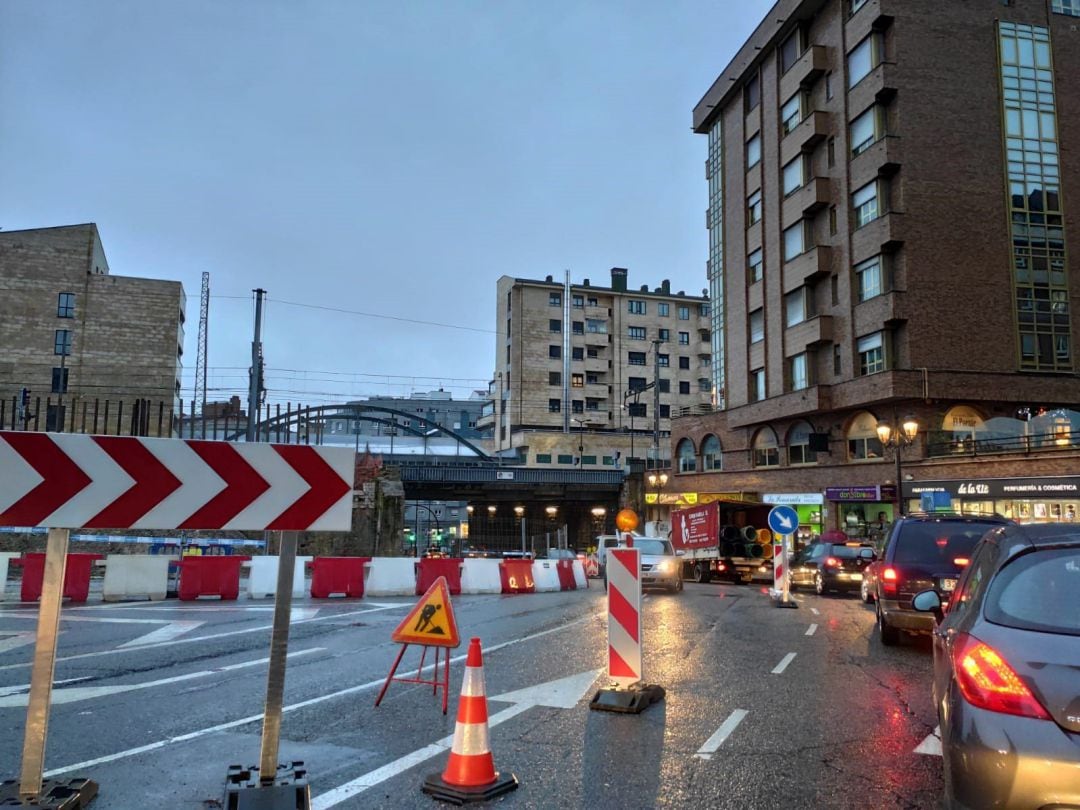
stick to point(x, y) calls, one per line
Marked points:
point(426, 615)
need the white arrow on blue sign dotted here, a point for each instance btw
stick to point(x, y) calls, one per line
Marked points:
point(783, 520)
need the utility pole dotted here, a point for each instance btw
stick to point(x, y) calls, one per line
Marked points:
point(255, 374)
point(200, 353)
point(656, 401)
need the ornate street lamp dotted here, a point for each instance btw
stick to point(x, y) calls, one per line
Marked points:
point(658, 482)
point(898, 439)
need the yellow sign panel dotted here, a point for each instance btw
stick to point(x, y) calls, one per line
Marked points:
point(431, 622)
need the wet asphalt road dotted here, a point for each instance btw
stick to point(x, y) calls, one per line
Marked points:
point(158, 725)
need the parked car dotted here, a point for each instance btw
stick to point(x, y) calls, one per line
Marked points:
point(868, 587)
point(831, 566)
point(1006, 687)
point(560, 554)
point(660, 564)
point(924, 550)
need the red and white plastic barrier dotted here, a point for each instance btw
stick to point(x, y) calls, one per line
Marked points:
point(4, 557)
point(136, 576)
point(624, 615)
point(580, 578)
point(262, 576)
point(391, 576)
point(545, 574)
point(480, 575)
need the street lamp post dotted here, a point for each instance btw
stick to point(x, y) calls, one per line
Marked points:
point(658, 482)
point(581, 440)
point(898, 438)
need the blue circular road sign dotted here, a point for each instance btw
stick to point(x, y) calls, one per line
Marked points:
point(783, 520)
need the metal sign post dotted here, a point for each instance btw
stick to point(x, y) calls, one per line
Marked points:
point(783, 521)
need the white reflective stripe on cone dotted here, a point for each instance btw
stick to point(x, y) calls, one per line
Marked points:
point(471, 740)
point(473, 685)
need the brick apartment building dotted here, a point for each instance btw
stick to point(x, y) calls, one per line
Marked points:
point(568, 357)
point(75, 337)
point(888, 183)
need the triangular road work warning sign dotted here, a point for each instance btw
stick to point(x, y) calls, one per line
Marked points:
point(431, 622)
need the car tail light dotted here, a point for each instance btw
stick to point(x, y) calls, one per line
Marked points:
point(988, 682)
point(890, 580)
point(832, 562)
point(960, 562)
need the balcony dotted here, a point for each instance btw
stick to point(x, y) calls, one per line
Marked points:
point(596, 339)
point(813, 332)
point(866, 19)
point(807, 267)
point(806, 200)
point(595, 390)
point(886, 310)
point(597, 364)
point(811, 131)
point(879, 85)
point(597, 313)
point(811, 66)
point(754, 295)
point(881, 159)
point(785, 406)
point(884, 235)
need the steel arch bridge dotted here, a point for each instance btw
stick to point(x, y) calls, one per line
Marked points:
point(358, 412)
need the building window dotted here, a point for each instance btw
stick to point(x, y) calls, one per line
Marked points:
point(554, 326)
point(684, 362)
point(665, 411)
point(664, 360)
point(705, 360)
point(798, 372)
point(577, 380)
point(588, 460)
point(635, 307)
point(704, 385)
point(665, 386)
point(862, 439)
point(592, 378)
point(753, 152)
point(704, 310)
point(868, 275)
point(595, 326)
point(554, 378)
point(863, 58)
point(792, 113)
point(543, 458)
point(577, 353)
point(65, 305)
point(592, 302)
point(62, 342)
point(686, 455)
point(871, 351)
point(794, 240)
point(766, 449)
point(663, 335)
point(565, 458)
point(757, 325)
point(684, 313)
point(711, 455)
point(684, 338)
point(663, 310)
point(830, 152)
point(555, 352)
point(636, 333)
point(592, 353)
point(684, 387)
point(554, 299)
point(752, 93)
point(798, 306)
point(636, 358)
point(753, 207)
point(791, 49)
point(60, 380)
point(798, 444)
point(855, 5)
point(554, 405)
point(757, 385)
point(577, 406)
point(636, 383)
point(832, 220)
point(638, 409)
point(864, 204)
point(754, 266)
point(577, 301)
point(866, 130)
point(578, 327)
point(794, 175)
point(1070, 7)
point(836, 368)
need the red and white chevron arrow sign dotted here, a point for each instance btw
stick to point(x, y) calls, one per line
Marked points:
point(68, 480)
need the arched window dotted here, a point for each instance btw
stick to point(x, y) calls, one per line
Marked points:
point(687, 456)
point(798, 444)
point(712, 457)
point(766, 448)
point(862, 440)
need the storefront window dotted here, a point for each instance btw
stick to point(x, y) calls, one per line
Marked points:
point(862, 438)
point(766, 449)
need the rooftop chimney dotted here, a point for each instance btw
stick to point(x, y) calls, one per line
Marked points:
point(618, 279)
point(666, 287)
point(549, 279)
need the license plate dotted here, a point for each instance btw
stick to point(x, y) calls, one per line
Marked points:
point(856, 577)
point(948, 584)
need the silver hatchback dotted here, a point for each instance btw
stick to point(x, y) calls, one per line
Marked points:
point(1007, 672)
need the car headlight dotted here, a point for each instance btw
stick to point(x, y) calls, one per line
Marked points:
point(667, 567)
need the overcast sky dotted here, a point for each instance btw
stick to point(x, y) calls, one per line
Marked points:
point(375, 158)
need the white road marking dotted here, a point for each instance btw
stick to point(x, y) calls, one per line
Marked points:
point(717, 739)
point(16, 640)
point(787, 659)
point(194, 735)
point(811, 630)
point(815, 611)
point(169, 632)
point(563, 693)
point(931, 746)
point(174, 642)
point(14, 690)
point(77, 693)
point(295, 614)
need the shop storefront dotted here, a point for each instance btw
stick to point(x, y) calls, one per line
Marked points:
point(862, 513)
point(810, 508)
point(1025, 500)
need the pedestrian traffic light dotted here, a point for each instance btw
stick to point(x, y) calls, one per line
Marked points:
point(24, 397)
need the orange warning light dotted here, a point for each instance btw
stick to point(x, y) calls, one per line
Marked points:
point(626, 520)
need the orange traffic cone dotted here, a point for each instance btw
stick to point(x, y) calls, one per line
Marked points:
point(470, 774)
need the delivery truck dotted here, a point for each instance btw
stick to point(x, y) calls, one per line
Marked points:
point(723, 541)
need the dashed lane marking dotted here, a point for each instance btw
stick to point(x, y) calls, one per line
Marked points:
point(717, 739)
point(811, 630)
point(787, 659)
point(815, 611)
point(931, 746)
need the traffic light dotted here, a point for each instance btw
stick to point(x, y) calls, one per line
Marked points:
point(24, 397)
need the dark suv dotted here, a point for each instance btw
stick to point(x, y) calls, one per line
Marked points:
point(923, 552)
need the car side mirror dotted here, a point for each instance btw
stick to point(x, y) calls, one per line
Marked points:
point(867, 553)
point(928, 602)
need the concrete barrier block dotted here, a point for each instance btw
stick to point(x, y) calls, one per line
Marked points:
point(136, 576)
point(480, 576)
point(391, 576)
point(580, 579)
point(4, 557)
point(546, 575)
point(263, 572)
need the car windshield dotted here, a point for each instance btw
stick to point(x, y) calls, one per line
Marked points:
point(1038, 591)
point(651, 546)
point(938, 541)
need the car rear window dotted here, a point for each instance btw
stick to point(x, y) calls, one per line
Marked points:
point(938, 541)
point(847, 552)
point(1038, 591)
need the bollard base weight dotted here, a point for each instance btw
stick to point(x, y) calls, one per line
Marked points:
point(438, 789)
point(290, 790)
point(631, 700)
point(56, 794)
